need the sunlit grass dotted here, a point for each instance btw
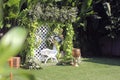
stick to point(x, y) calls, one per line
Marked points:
point(89, 69)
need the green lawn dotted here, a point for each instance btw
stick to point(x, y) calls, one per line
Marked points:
point(89, 69)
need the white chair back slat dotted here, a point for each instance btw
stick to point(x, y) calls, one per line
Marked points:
point(49, 54)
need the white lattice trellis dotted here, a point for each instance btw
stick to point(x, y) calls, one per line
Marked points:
point(41, 34)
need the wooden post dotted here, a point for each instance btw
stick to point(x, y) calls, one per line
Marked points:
point(14, 62)
point(11, 66)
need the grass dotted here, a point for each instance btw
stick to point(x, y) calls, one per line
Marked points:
point(89, 69)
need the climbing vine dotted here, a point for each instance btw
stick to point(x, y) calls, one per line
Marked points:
point(68, 42)
point(27, 20)
point(31, 25)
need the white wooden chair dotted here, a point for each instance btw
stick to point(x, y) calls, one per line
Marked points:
point(47, 54)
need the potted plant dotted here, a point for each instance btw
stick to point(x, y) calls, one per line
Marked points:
point(76, 53)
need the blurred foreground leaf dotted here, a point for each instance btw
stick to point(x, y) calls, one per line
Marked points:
point(11, 43)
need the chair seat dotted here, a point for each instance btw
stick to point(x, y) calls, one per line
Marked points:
point(47, 54)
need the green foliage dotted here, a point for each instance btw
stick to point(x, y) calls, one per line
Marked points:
point(58, 18)
point(32, 64)
point(113, 27)
point(46, 11)
point(68, 42)
point(11, 8)
point(31, 26)
point(61, 18)
point(10, 45)
point(31, 37)
point(86, 10)
point(49, 1)
point(86, 6)
point(1, 14)
point(58, 30)
point(54, 14)
point(17, 14)
point(28, 21)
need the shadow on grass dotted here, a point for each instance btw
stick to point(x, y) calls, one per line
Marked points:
point(101, 60)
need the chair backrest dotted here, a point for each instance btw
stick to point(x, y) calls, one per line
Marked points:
point(53, 52)
point(48, 52)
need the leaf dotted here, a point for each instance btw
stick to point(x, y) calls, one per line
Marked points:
point(82, 24)
point(1, 11)
point(21, 4)
point(57, 0)
point(1, 25)
point(85, 6)
point(11, 8)
point(11, 43)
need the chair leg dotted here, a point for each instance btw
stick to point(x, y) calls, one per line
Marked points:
point(56, 59)
point(52, 59)
point(46, 59)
